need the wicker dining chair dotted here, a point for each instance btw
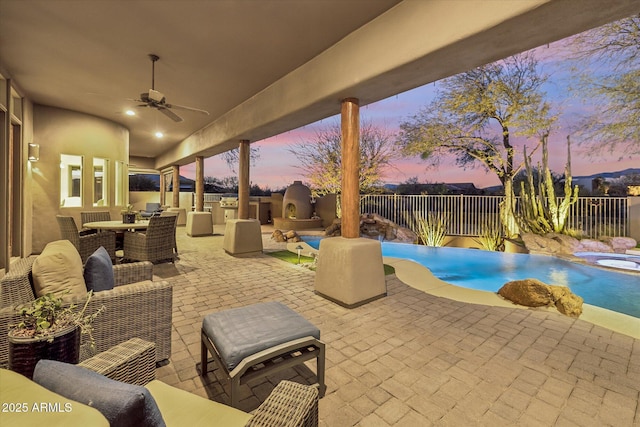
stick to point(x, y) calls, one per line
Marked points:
point(86, 244)
point(156, 244)
point(91, 217)
point(94, 216)
point(175, 243)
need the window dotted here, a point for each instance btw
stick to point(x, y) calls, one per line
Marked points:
point(100, 182)
point(70, 180)
point(144, 182)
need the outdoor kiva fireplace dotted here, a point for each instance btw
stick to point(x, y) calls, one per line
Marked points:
point(298, 209)
point(296, 203)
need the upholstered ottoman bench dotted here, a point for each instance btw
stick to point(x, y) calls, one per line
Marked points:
point(258, 340)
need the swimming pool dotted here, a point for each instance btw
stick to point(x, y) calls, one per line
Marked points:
point(488, 271)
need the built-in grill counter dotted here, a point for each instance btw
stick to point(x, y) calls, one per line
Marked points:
point(229, 205)
point(225, 206)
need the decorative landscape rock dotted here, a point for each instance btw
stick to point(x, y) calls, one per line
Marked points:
point(374, 226)
point(620, 244)
point(278, 236)
point(534, 293)
point(289, 237)
point(569, 304)
point(590, 245)
point(334, 229)
point(292, 236)
point(561, 244)
point(537, 244)
point(568, 244)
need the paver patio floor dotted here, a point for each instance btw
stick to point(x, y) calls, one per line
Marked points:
point(410, 359)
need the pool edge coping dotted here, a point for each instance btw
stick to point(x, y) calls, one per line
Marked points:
point(421, 278)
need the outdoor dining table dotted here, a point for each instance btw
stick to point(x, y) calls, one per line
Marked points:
point(116, 225)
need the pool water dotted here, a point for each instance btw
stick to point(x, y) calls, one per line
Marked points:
point(488, 271)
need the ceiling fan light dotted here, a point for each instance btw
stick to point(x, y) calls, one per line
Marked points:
point(154, 95)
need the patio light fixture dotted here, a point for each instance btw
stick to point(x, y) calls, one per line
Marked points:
point(34, 152)
point(299, 249)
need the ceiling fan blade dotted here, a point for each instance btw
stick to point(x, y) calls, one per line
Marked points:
point(182, 107)
point(173, 116)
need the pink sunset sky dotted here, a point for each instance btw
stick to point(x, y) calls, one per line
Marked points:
point(276, 166)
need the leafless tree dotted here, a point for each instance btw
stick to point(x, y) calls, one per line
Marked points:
point(320, 157)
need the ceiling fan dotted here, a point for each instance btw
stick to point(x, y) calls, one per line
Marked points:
point(157, 100)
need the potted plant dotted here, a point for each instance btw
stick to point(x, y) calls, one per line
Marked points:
point(48, 330)
point(129, 215)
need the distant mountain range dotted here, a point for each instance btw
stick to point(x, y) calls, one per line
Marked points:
point(584, 180)
point(609, 175)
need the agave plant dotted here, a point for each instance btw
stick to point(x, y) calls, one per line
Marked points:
point(432, 229)
point(491, 237)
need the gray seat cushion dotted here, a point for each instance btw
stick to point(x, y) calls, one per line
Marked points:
point(241, 332)
point(98, 271)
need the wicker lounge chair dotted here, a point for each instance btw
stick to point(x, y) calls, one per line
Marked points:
point(133, 362)
point(135, 307)
point(87, 244)
point(151, 209)
point(156, 244)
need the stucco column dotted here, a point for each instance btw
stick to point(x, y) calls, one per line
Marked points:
point(176, 187)
point(350, 196)
point(243, 180)
point(243, 236)
point(199, 223)
point(199, 183)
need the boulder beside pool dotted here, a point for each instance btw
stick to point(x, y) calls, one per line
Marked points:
point(534, 293)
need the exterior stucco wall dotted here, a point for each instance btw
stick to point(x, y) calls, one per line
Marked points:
point(27, 193)
point(60, 131)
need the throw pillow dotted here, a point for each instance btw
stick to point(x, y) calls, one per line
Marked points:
point(58, 268)
point(122, 404)
point(98, 271)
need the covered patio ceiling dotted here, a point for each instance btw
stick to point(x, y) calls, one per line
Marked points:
point(260, 67)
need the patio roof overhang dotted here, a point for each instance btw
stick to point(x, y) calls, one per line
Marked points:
point(414, 43)
point(261, 68)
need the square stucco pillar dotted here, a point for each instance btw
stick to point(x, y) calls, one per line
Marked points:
point(182, 215)
point(242, 237)
point(199, 224)
point(350, 271)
